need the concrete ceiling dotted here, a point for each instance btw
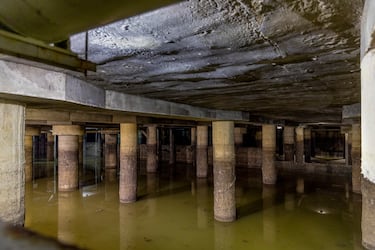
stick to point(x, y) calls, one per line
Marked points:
point(296, 60)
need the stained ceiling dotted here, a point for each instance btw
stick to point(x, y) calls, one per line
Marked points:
point(296, 60)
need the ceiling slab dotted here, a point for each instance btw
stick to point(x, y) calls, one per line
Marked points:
point(282, 59)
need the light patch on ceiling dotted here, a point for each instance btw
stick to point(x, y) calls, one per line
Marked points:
point(131, 42)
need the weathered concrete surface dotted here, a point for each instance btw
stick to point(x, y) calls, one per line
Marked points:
point(224, 171)
point(12, 186)
point(128, 163)
point(368, 116)
point(68, 155)
point(367, 126)
point(287, 59)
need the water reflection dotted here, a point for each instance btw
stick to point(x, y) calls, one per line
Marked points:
point(269, 213)
point(175, 211)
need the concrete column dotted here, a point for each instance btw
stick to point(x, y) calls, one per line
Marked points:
point(202, 144)
point(307, 144)
point(68, 155)
point(356, 158)
point(128, 162)
point(152, 157)
point(268, 154)
point(288, 143)
point(30, 132)
point(50, 147)
point(110, 154)
point(258, 138)
point(193, 142)
point(12, 186)
point(172, 148)
point(367, 143)
point(299, 145)
point(238, 135)
point(224, 174)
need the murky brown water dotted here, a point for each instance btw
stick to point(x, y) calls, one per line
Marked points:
point(175, 211)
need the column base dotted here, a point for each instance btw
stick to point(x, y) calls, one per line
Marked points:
point(128, 201)
point(225, 219)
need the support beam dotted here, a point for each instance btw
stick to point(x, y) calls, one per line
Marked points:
point(202, 154)
point(128, 162)
point(27, 48)
point(12, 186)
point(68, 155)
point(224, 171)
point(268, 154)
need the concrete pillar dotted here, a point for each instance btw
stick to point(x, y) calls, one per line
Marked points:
point(50, 147)
point(307, 144)
point(367, 142)
point(68, 158)
point(202, 144)
point(288, 143)
point(224, 174)
point(356, 158)
point(268, 154)
point(193, 142)
point(172, 147)
point(152, 157)
point(128, 162)
point(30, 132)
point(238, 135)
point(299, 145)
point(110, 154)
point(258, 138)
point(12, 186)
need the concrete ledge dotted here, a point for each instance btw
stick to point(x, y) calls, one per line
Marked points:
point(137, 104)
point(19, 81)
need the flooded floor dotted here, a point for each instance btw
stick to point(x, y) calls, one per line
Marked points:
point(175, 211)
